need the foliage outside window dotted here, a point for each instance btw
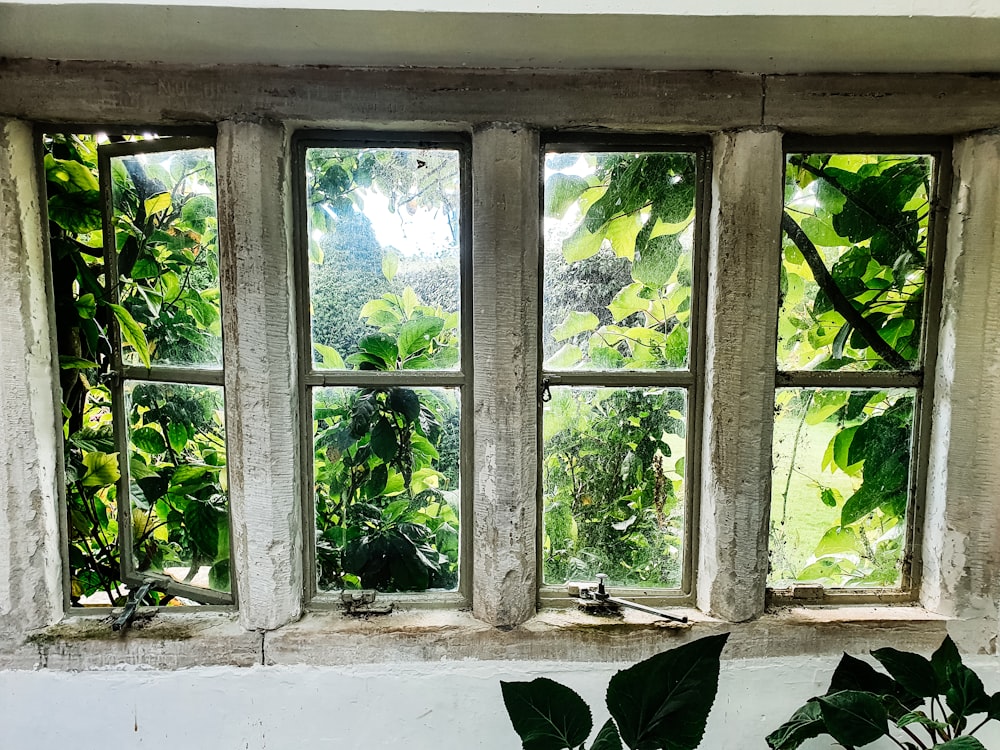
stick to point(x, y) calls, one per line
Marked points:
point(135, 274)
point(384, 242)
point(851, 347)
point(618, 371)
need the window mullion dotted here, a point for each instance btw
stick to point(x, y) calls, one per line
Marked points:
point(31, 588)
point(260, 373)
point(739, 365)
point(505, 309)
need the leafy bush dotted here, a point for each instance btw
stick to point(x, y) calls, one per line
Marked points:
point(905, 705)
point(661, 702)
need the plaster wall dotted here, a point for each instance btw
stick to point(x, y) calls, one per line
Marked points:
point(441, 705)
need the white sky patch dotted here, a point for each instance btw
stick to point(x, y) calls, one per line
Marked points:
point(411, 230)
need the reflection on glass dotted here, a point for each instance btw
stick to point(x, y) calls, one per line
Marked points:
point(178, 483)
point(386, 468)
point(853, 261)
point(384, 252)
point(166, 235)
point(619, 232)
point(840, 486)
point(613, 485)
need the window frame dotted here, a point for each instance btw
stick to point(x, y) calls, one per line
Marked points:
point(691, 378)
point(921, 378)
point(311, 378)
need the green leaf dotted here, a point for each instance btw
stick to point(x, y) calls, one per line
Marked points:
point(416, 334)
point(825, 404)
point(384, 440)
point(561, 191)
point(201, 522)
point(607, 738)
point(829, 499)
point(919, 717)
point(218, 576)
point(574, 324)
point(86, 306)
point(853, 717)
point(546, 715)
point(177, 436)
point(70, 175)
point(132, 333)
point(665, 700)
point(912, 671)
point(406, 402)
point(75, 363)
point(965, 694)
point(944, 661)
point(804, 724)
point(148, 440)
point(995, 706)
point(157, 203)
point(628, 302)
point(581, 245)
point(968, 742)
point(658, 261)
point(382, 346)
point(606, 357)
point(821, 233)
point(331, 357)
point(101, 469)
point(197, 210)
point(390, 264)
point(567, 356)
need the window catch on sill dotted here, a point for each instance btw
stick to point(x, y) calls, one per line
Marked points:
point(362, 603)
point(599, 601)
point(131, 611)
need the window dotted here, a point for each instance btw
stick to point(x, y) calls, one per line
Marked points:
point(133, 232)
point(856, 335)
point(383, 253)
point(620, 340)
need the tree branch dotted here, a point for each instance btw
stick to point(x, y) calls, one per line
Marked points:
point(841, 304)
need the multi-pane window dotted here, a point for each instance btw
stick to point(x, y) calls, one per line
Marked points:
point(619, 333)
point(132, 223)
point(853, 331)
point(383, 252)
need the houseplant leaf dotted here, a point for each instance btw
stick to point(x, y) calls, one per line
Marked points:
point(546, 715)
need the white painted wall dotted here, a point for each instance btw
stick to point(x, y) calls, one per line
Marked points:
point(437, 706)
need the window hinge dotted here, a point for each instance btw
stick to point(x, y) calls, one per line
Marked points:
point(599, 601)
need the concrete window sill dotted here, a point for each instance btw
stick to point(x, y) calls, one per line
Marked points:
point(195, 639)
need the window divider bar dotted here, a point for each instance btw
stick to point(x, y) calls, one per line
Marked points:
point(844, 379)
point(186, 375)
point(368, 379)
point(621, 379)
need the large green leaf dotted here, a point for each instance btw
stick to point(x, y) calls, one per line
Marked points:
point(148, 440)
point(607, 738)
point(132, 333)
point(965, 694)
point(664, 701)
point(202, 523)
point(944, 660)
point(561, 191)
point(575, 323)
point(546, 715)
point(804, 724)
point(417, 334)
point(384, 440)
point(658, 261)
point(380, 346)
point(101, 469)
point(968, 742)
point(853, 717)
point(912, 671)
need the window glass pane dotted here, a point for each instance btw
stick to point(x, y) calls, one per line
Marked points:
point(386, 465)
point(853, 261)
point(841, 486)
point(384, 252)
point(613, 485)
point(619, 232)
point(166, 234)
point(177, 482)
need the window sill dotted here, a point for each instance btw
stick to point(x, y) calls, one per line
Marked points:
point(194, 639)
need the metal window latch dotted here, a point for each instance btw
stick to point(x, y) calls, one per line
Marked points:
point(130, 612)
point(362, 602)
point(599, 601)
